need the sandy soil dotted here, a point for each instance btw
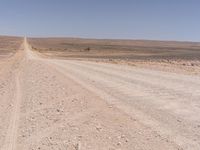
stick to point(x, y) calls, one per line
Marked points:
point(9, 45)
point(169, 56)
point(83, 105)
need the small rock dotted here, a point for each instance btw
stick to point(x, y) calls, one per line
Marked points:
point(78, 146)
point(80, 137)
point(23, 136)
point(119, 143)
point(126, 140)
point(98, 128)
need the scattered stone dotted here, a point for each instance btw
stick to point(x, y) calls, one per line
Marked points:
point(119, 143)
point(98, 128)
point(78, 146)
point(126, 140)
point(79, 137)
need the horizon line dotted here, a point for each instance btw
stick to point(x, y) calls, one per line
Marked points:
point(95, 38)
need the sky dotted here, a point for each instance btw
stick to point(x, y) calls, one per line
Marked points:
point(115, 19)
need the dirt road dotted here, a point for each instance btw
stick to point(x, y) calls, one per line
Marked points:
point(69, 104)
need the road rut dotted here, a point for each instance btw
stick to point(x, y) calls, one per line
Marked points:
point(71, 104)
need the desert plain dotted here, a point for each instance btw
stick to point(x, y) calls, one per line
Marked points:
point(89, 94)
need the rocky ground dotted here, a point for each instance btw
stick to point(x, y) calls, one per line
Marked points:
point(74, 104)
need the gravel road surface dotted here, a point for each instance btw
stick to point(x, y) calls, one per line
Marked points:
point(80, 105)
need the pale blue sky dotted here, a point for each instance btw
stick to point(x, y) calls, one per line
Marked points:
point(127, 19)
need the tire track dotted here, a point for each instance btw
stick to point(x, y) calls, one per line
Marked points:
point(141, 100)
point(165, 103)
point(11, 138)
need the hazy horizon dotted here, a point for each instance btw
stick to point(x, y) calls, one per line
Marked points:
point(130, 19)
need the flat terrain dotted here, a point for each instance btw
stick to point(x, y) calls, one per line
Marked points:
point(167, 56)
point(116, 49)
point(52, 100)
point(9, 45)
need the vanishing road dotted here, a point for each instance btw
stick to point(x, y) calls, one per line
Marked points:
point(69, 104)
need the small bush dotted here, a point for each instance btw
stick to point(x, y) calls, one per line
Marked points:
point(87, 49)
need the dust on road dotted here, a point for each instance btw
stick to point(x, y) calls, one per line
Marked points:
point(68, 104)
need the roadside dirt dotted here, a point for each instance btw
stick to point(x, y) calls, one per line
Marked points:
point(168, 56)
point(187, 67)
point(81, 105)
